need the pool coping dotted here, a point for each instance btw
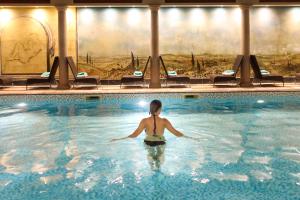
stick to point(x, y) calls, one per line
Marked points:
point(151, 91)
point(201, 88)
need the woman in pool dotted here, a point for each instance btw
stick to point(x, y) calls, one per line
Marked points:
point(154, 127)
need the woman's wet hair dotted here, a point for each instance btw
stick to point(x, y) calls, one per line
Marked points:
point(155, 105)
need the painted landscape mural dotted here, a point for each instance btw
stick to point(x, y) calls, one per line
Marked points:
point(198, 42)
point(113, 42)
point(275, 37)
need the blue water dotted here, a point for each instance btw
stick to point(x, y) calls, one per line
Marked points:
point(246, 149)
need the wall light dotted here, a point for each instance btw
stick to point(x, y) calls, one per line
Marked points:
point(174, 16)
point(133, 16)
point(87, 16)
point(70, 16)
point(5, 16)
point(219, 15)
point(237, 15)
point(197, 16)
point(265, 15)
point(39, 15)
point(295, 12)
point(110, 15)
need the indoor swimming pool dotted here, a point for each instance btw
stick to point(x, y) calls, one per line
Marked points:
point(247, 146)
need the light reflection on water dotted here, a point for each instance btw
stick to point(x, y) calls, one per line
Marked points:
point(68, 147)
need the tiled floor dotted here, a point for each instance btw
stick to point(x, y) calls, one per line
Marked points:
point(116, 89)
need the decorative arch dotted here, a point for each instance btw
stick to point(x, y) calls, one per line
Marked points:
point(27, 50)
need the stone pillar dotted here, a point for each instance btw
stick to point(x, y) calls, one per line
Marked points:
point(245, 47)
point(155, 63)
point(62, 48)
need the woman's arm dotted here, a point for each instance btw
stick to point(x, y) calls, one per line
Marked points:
point(136, 133)
point(172, 129)
point(139, 130)
point(175, 132)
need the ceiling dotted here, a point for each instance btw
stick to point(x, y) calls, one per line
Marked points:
point(144, 2)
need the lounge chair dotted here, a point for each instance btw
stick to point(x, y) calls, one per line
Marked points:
point(261, 77)
point(134, 79)
point(174, 78)
point(1, 83)
point(94, 80)
point(231, 77)
point(297, 77)
point(49, 80)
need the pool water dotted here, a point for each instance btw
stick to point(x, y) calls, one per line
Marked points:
point(246, 148)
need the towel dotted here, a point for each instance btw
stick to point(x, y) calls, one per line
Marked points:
point(264, 72)
point(45, 74)
point(172, 73)
point(82, 74)
point(229, 72)
point(138, 73)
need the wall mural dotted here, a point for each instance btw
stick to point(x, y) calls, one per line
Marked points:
point(28, 38)
point(275, 38)
point(199, 41)
point(194, 41)
point(25, 50)
point(113, 42)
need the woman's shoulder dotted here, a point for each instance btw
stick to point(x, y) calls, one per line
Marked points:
point(147, 119)
point(164, 120)
point(144, 120)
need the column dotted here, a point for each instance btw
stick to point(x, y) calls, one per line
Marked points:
point(62, 48)
point(245, 47)
point(155, 63)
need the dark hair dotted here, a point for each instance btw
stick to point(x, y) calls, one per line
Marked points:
point(155, 105)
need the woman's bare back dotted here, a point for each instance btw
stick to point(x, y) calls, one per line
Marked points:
point(150, 125)
point(161, 124)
